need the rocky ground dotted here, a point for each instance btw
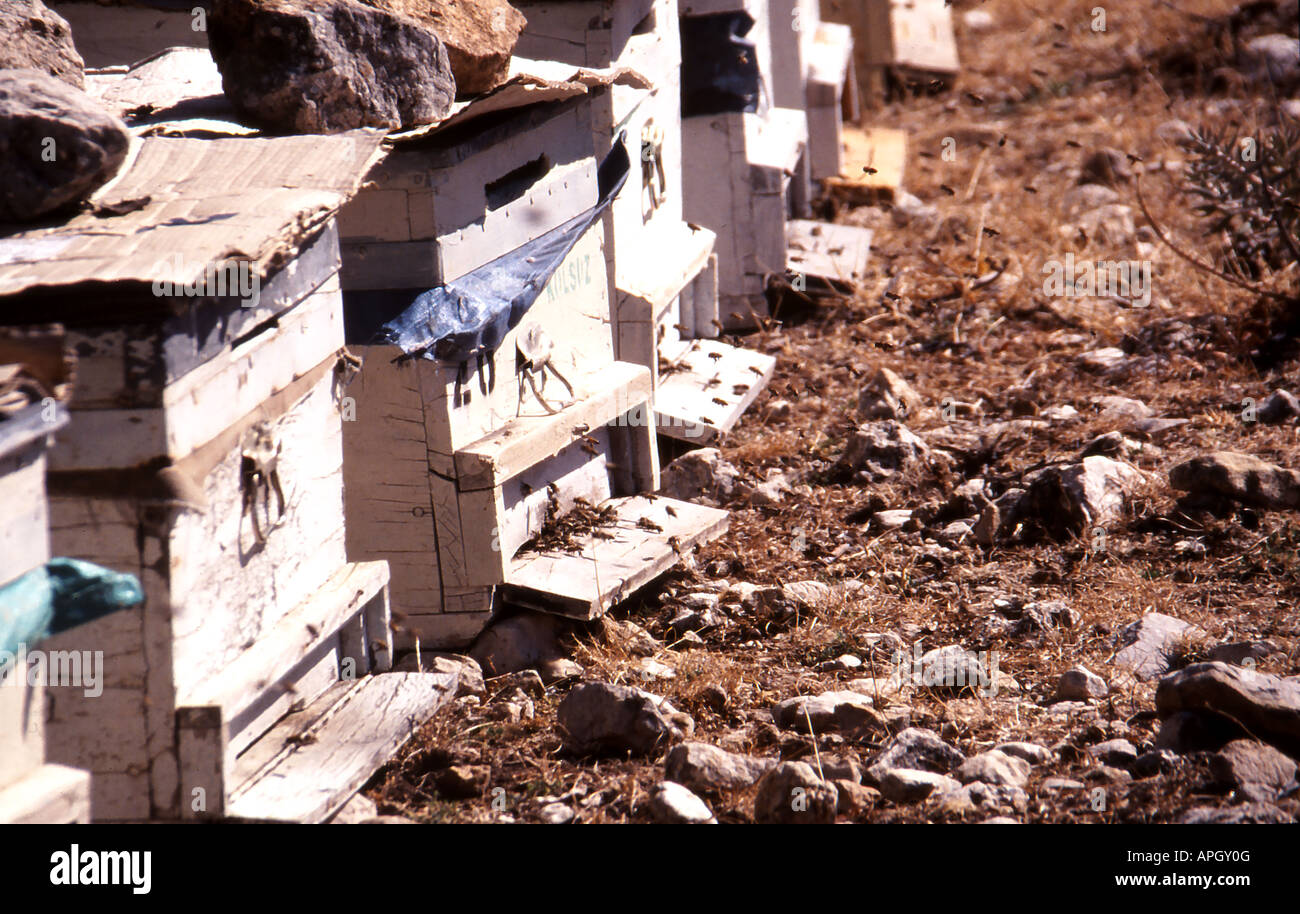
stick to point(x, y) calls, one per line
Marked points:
point(994, 554)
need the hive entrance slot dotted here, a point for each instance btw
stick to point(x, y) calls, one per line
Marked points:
point(514, 184)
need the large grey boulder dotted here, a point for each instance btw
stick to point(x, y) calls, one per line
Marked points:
point(34, 37)
point(321, 66)
point(1240, 477)
point(57, 146)
point(599, 717)
point(527, 640)
point(1265, 705)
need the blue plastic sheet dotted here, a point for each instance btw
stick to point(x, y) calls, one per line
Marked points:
point(58, 596)
point(471, 315)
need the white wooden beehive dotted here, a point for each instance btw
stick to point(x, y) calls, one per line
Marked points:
point(663, 272)
point(241, 628)
point(450, 468)
point(745, 174)
point(443, 205)
point(812, 70)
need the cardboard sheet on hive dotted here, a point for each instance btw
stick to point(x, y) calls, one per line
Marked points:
point(179, 204)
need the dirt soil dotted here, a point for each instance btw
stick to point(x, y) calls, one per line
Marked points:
point(1039, 93)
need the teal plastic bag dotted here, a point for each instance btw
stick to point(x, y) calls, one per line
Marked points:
point(60, 595)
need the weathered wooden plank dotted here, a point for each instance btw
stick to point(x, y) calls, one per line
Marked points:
point(306, 627)
point(337, 754)
point(526, 441)
point(387, 483)
point(225, 589)
point(710, 387)
point(587, 582)
point(838, 253)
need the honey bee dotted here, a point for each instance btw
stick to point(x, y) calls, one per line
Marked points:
point(719, 401)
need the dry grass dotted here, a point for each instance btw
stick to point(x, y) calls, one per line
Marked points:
point(1037, 94)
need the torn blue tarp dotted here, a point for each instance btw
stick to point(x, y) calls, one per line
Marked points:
point(471, 315)
point(60, 595)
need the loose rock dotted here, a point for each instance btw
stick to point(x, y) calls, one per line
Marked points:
point(38, 112)
point(916, 749)
point(1279, 406)
point(701, 766)
point(519, 642)
point(599, 717)
point(1032, 753)
point(700, 475)
point(1081, 684)
point(34, 37)
point(792, 794)
point(887, 396)
point(848, 711)
point(673, 804)
point(1078, 497)
point(1266, 705)
point(479, 36)
point(1255, 768)
point(1116, 752)
point(1240, 477)
point(906, 785)
point(321, 66)
point(994, 767)
point(881, 449)
point(1147, 645)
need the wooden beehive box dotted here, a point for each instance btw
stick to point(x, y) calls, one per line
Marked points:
point(31, 790)
point(662, 270)
point(812, 70)
point(194, 411)
point(912, 38)
point(742, 186)
point(748, 171)
point(453, 466)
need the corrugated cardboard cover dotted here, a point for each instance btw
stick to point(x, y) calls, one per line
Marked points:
point(253, 198)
